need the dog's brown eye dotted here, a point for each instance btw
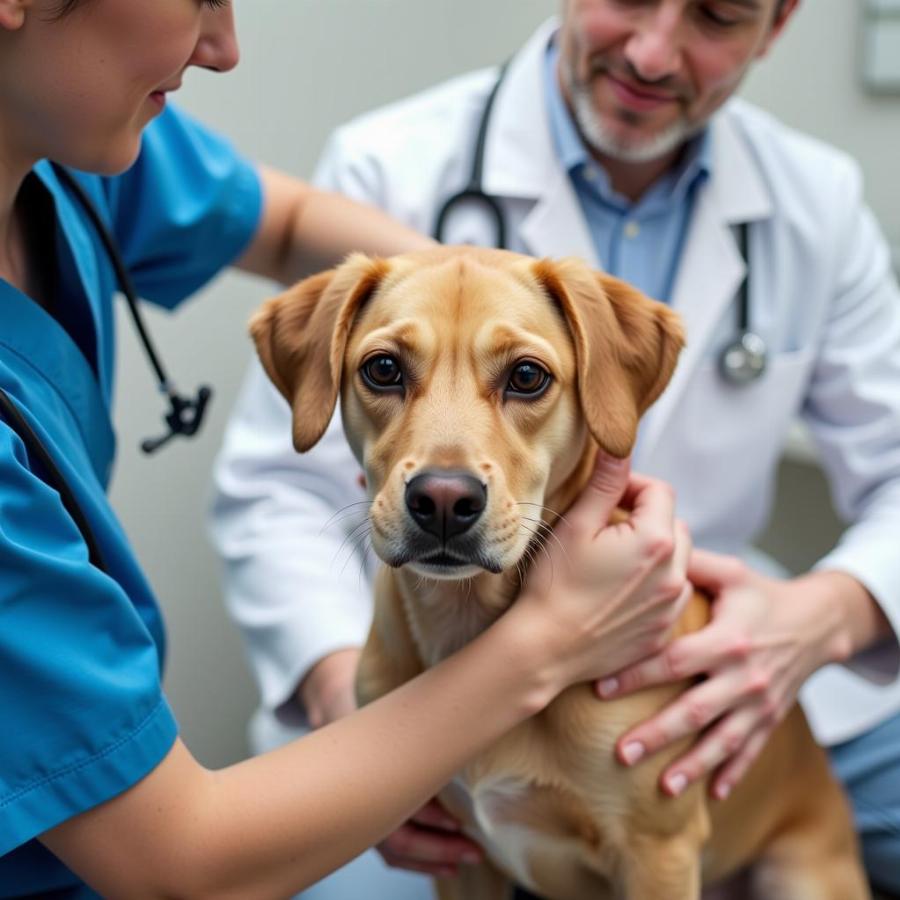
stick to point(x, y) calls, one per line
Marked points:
point(382, 371)
point(528, 378)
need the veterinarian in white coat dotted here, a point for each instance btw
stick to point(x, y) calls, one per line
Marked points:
point(822, 297)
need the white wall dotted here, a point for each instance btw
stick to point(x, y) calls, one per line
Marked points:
point(308, 65)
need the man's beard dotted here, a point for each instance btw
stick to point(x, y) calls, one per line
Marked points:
point(604, 141)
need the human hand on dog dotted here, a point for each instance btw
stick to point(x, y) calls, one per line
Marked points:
point(327, 692)
point(611, 591)
point(430, 842)
point(766, 637)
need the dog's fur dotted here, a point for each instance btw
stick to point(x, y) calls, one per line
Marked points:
point(554, 810)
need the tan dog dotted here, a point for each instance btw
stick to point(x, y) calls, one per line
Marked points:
point(475, 387)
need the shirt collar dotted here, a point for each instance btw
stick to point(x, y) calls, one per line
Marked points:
point(695, 164)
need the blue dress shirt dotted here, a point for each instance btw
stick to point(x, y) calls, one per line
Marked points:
point(638, 242)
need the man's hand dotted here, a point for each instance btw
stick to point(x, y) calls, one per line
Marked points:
point(327, 693)
point(430, 842)
point(766, 637)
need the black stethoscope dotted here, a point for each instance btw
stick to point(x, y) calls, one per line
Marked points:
point(185, 415)
point(741, 362)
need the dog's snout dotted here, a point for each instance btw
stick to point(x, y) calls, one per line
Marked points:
point(447, 503)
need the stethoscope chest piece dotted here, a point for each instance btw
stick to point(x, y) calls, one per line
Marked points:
point(743, 360)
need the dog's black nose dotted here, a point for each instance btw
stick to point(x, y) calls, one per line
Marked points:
point(445, 503)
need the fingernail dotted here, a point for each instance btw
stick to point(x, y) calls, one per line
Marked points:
point(632, 752)
point(722, 791)
point(608, 687)
point(676, 783)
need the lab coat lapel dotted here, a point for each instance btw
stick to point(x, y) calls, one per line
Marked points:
point(521, 160)
point(711, 268)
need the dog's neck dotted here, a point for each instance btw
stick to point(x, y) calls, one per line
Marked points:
point(445, 615)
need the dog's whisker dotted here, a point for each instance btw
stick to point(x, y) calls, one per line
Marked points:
point(358, 550)
point(343, 513)
point(559, 517)
point(350, 539)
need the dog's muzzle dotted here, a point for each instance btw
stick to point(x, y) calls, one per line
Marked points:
point(443, 506)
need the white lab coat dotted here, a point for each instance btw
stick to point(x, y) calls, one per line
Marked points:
point(823, 298)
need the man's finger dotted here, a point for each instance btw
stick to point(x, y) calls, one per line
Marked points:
point(685, 657)
point(411, 844)
point(714, 572)
point(684, 717)
point(734, 771)
point(433, 815)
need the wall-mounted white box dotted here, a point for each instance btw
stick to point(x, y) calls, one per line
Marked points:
point(881, 45)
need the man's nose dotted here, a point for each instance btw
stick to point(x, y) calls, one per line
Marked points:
point(217, 46)
point(654, 49)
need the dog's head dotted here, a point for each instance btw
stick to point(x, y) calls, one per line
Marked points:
point(471, 382)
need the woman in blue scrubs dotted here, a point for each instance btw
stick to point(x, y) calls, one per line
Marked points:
point(95, 786)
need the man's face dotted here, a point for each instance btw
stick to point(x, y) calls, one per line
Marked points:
point(642, 76)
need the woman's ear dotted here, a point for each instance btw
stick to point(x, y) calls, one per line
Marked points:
point(12, 13)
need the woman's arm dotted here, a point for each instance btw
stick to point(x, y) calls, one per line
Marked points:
point(304, 229)
point(274, 824)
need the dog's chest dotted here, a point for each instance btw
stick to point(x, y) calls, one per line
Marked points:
point(553, 827)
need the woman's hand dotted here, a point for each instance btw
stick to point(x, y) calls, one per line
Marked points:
point(766, 637)
point(609, 594)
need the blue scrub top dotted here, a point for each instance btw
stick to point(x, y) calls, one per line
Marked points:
point(81, 650)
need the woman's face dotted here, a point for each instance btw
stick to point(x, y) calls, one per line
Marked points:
point(80, 89)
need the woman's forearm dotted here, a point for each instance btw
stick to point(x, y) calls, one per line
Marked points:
point(375, 767)
point(272, 825)
point(304, 230)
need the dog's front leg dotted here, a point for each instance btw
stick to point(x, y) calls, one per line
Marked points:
point(665, 865)
point(481, 881)
point(389, 657)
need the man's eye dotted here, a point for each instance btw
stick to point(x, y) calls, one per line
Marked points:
point(716, 17)
point(381, 372)
point(528, 379)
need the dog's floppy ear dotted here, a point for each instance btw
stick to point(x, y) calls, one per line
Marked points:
point(300, 337)
point(626, 347)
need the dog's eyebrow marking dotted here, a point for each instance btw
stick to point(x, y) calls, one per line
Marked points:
point(501, 338)
point(406, 333)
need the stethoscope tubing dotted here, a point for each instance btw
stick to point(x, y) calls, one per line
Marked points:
point(185, 414)
point(742, 361)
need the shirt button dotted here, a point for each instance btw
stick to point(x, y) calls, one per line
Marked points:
point(632, 229)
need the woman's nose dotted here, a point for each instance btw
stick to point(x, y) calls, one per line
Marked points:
point(217, 45)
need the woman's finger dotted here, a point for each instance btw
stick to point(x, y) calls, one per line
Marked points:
point(594, 505)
